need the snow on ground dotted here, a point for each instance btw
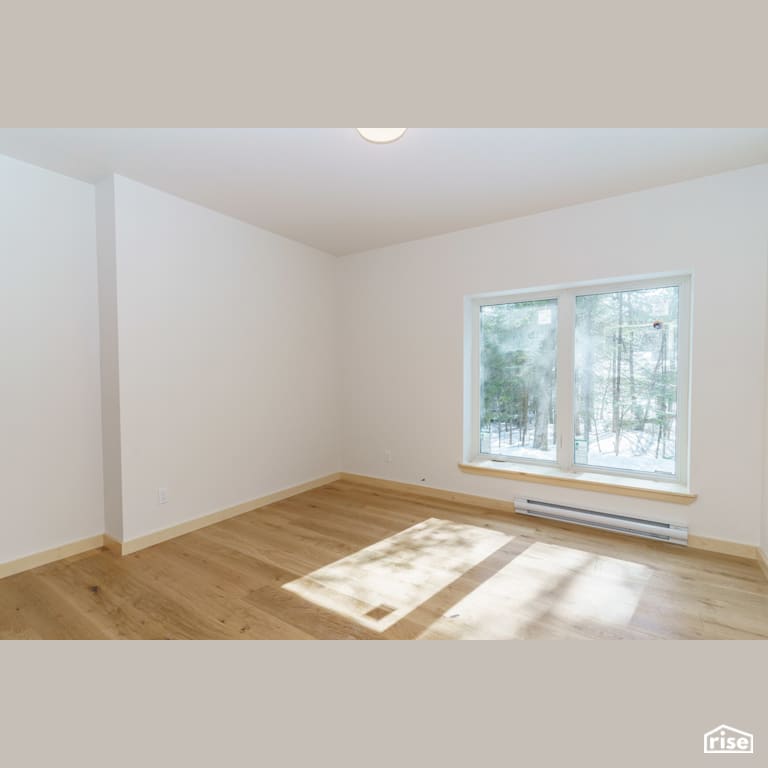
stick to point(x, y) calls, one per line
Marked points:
point(637, 450)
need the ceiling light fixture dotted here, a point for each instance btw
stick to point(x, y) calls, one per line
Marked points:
point(381, 135)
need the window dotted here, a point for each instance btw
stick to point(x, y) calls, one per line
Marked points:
point(518, 368)
point(585, 378)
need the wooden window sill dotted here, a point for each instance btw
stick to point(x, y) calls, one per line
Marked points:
point(586, 481)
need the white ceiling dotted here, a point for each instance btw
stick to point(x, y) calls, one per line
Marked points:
point(329, 188)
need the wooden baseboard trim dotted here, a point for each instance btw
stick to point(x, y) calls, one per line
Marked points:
point(51, 555)
point(434, 493)
point(723, 547)
point(694, 542)
point(762, 560)
point(156, 537)
point(113, 545)
point(12, 567)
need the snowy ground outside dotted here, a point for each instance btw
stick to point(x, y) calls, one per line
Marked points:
point(637, 450)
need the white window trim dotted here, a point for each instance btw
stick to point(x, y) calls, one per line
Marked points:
point(564, 435)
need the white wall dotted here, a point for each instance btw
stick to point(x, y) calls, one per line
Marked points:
point(228, 359)
point(110, 359)
point(764, 520)
point(230, 343)
point(50, 434)
point(402, 331)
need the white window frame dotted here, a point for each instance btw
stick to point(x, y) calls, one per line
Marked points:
point(566, 341)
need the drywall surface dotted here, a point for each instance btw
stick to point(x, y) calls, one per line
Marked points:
point(228, 360)
point(50, 424)
point(403, 326)
point(109, 358)
point(764, 520)
point(230, 356)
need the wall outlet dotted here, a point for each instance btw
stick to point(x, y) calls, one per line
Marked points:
point(162, 495)
point(388, 456)
point(422, 478)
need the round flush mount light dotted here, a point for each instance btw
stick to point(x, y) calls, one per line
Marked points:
point(381, 135)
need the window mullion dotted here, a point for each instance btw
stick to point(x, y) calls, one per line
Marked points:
point(565, 373)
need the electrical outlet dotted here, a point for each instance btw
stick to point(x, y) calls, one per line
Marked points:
point(388, 456)
point(162, 495)
point(422, 478)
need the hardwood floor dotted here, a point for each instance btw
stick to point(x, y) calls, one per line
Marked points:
point(351, 561)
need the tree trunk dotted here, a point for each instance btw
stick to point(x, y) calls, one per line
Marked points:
point(543, 406)
point(597, 436)
point(634, 411)
point(616, 425)
point(524, 419)
point(541, 430)
point(587, 395)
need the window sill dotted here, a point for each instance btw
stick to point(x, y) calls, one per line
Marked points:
point(586, 481)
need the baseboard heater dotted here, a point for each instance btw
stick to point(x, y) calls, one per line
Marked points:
point(648, 529)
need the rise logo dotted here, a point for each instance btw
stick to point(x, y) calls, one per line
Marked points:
point(725, 740)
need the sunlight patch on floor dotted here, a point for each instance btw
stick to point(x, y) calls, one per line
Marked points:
point(548, 585)
point(379, 585)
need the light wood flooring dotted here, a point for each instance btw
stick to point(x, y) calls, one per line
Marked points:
point(351, 561)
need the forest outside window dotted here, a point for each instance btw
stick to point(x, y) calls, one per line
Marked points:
point(588, 378)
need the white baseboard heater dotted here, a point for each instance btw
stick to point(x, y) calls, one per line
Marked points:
point(649, 529)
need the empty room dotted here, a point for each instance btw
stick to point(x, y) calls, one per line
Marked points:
point(375, 383)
